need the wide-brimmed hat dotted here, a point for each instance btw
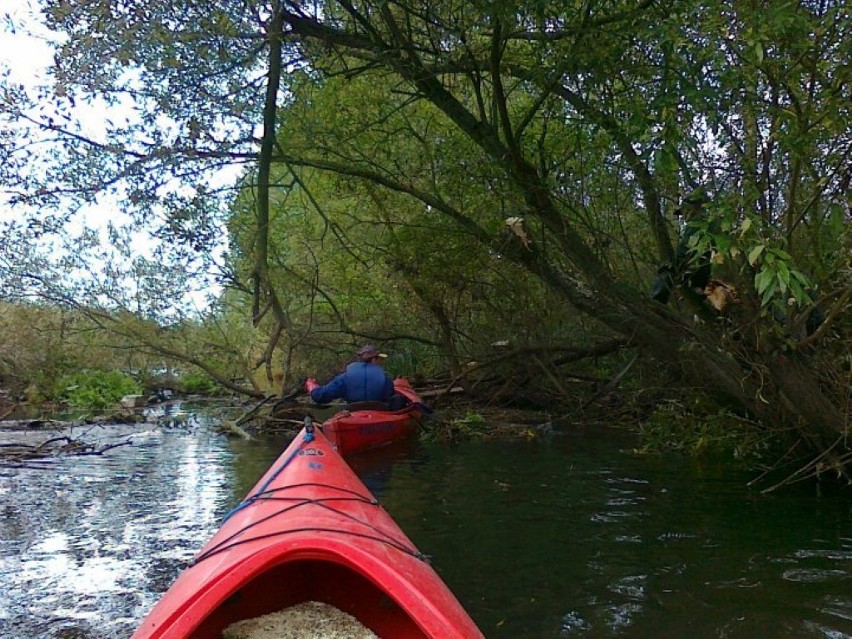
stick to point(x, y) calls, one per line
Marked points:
point(368, 352)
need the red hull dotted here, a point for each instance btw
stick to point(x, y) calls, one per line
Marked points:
point(351, 431)
point(310, 531)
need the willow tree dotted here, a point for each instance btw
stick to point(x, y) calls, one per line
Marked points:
point(593, 121)
point(172, 95)
point(367, 262)
point(744, 104)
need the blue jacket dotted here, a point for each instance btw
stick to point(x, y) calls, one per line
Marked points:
point(361, 382)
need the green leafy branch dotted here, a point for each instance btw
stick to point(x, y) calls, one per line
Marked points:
point(776, 276)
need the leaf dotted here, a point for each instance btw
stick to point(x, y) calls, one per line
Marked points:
point(745, 226)
point(801, 277)
point(802, 298)
point(516, 225)
point(767, 294)
point(762, 280)
point(665, 162)
point(783, 271)
point(754, 253)
point(782, 281)
point(796, 290)
point(720, 294)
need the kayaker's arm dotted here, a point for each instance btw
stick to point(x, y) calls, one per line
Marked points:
point(331, 391)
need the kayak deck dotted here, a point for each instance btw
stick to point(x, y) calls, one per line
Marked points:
point(310, 531)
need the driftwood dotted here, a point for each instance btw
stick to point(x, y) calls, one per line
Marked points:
point(531, 378)
point(264, 410)
point(528, 378)
point(23, 455)
point(232, 427)
point(284, 414)
point(254, 411)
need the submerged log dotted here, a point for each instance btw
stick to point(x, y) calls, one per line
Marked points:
point(19, 455)
point(233, 428)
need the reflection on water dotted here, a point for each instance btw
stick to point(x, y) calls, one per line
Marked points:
point(570, 538)
point(575, 538)
point(86, 543)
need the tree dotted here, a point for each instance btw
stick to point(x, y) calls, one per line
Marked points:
point(649, 82)
point(585, 125)
point(183, 83)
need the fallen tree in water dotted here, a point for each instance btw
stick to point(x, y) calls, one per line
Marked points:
point(19, 455)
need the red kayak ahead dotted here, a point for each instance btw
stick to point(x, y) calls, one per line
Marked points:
point(310, 531)
point(370, 424)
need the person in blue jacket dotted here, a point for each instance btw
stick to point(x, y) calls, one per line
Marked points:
point(364, 380)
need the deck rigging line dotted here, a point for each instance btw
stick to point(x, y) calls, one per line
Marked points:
point(309, 437)
point(263, 494)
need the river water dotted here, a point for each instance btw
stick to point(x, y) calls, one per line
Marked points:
point(572, 536)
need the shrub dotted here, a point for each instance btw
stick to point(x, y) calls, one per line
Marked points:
point(95, 389)
point(197, 383)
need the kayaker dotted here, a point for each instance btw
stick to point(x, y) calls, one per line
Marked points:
point(364, 380)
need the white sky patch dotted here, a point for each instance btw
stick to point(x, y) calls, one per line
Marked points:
point(26, 55)
point(26, 46)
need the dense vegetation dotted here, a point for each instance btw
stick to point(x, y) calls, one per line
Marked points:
point(54, 355)
point(500, 184)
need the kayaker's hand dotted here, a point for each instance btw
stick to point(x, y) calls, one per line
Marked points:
point(310, 384)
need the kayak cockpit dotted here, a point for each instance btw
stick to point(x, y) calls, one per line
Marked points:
point(300, 581)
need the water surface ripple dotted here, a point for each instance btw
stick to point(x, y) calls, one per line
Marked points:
point(573, 537)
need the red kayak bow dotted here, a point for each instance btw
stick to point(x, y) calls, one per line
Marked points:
point(310, 531)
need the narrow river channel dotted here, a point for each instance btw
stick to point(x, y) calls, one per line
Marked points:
point(575, 536)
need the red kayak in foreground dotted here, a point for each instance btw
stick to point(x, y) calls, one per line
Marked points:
point(370, 424)
point(310, 531)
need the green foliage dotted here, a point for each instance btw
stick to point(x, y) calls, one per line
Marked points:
point(198, 383)
point(776, 275)
point(470, 426)
point(96, 388)
point(701, 429)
